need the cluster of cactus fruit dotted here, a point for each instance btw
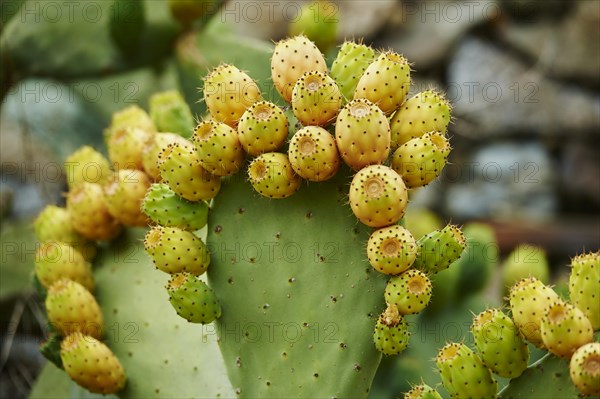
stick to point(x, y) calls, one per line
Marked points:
point(357, 115)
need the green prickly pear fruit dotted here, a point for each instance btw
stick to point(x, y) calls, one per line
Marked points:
point(477, 264)
point(89, 214)
point(584, 285)
point(318, 20)
point(262, 128)
point(362, 133)
point(166, 208)
point(86, 164)
point(421, 160)
point(350, 64)
point(124, 195)
point(439, 249)
point(529, 300)
point(391, 250)
point(463, 373)
point(565, 328)
point(126, 147)
point(422, 391)
point(525, 261)
point(54, 224)
point(423, 113)
point(499, 343)
point(421, 221)
point(410, 291)
point(193, 299)
point(316, 99)
point(378, 196)
point(170, 113)
point(292, 58)
point(181, 170)
point(132, 116)
point(218, 147)
point(187, 11)
point(174, 250)
point(386, 82)
point(228, 92)
point(391, 332)
point(72, 308)
point(271, 174)
point(154, 146)
point(584, 369)
point(313, 154)
point(56, 260)
point(91, 364)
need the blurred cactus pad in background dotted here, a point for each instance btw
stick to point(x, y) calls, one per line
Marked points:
point(239, 199)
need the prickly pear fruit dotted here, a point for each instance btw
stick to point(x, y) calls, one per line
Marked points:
point(132, 116)
point(584, 369)
point(291, 59)
point(350, 64)
point(313, 154)
point(316, 99)
point(228, 92)
point(187, 11)
point(391, 332)
point(271, 174)
point(126, 147)
point(318, 20)
point(170, 113)
point(56, 260)
point(86, 164)
point(529, 300)
point(423, 113)
point(410, 291)
point(378, 196)
point(154, 146)
point(218, 147)
point(89, 213)
point(565, 328)
point(124, 195)
point(180, 169)
point(54, 224)
point(166, 208)
point(386, 82)
point(439, 249)
point(463, 373)
point(391, 250)
point(499, 343)
point(193, 299)
point(72, 308)
point(362, 133)
point(584, 285)
point(525, 261)
point(422, 392)
point(91, 364)
point(262, 128)
point(174, 250)
point(421, 160)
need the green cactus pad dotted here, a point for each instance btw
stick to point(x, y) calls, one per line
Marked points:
point(167, 209)
point(350, 64)
point(299, 300)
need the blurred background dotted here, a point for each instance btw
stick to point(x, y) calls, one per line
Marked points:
point(523, 77)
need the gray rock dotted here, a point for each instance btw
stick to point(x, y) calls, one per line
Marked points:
point(425, 32)
point(569, 50)
point(502, 180)
point(495, 94)
point(580, 171)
